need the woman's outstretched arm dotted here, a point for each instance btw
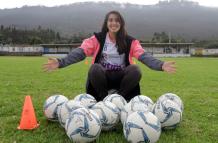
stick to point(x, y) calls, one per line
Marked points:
point(75, 56)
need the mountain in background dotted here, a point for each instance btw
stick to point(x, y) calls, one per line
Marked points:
point(181, 18)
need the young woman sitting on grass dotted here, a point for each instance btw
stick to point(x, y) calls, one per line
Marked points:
point(112, 65)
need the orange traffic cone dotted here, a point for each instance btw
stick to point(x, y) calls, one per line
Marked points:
point(86, 62)
point(28, 119)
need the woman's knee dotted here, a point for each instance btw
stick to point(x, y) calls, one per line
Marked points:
point(134, 70)
point(96, 69)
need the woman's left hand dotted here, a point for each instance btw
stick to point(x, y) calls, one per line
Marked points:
point(169, 67)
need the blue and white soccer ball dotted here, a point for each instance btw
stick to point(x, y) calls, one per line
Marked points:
point(141, 126)
point(83, 125)
point(87, 100)
point(117, 99)
point(144, 99)
point(168, 112)
point(51, 105)
point(173, 97)
point(130, 108)
point(65, 109)
point(108, 113)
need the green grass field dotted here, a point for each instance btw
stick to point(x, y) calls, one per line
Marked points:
point(196, 82)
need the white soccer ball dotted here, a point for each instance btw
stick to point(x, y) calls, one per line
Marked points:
point(51, 105)
point(117, 99)
point(168, 112)
point(83, 125)
point(173, 97)
point(65, 109)
point(108, 113)
point(130, 108)
point(87, 100)
point(142, 126)
point(144, 99)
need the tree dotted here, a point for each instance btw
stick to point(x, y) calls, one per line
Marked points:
point(1, 38)
point(160, 37)
point(2, 27)
point(35, 40)
point(58, 37)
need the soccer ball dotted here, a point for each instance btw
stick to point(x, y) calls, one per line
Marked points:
point(132, 107)
point(86, 99)
point(142, 126)
point(168, 112)
point(108, 113)
point(83, 125)
point(173, 97)
point(51, 105)
point(65, 109)
point(117, 99)
point(144, 99)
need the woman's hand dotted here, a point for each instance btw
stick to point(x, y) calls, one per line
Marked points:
point(169, 67)
point(52, 65)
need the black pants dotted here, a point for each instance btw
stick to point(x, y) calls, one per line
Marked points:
point(126, 82)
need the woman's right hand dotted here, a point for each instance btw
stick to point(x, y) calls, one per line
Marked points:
point(52, 65)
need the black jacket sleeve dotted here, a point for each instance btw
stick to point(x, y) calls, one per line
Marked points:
point(74, 56)
point(151, 62)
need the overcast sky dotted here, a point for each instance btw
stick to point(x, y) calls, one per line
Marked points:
point(20, 3)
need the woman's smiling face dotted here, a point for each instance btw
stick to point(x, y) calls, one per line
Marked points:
point(113, 23)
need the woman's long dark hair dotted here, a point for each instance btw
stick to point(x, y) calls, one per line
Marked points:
point(121, 34)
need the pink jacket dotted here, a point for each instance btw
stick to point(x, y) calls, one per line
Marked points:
point(91, 47)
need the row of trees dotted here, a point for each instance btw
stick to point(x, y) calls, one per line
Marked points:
point(13, 35)
point(164, 37)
